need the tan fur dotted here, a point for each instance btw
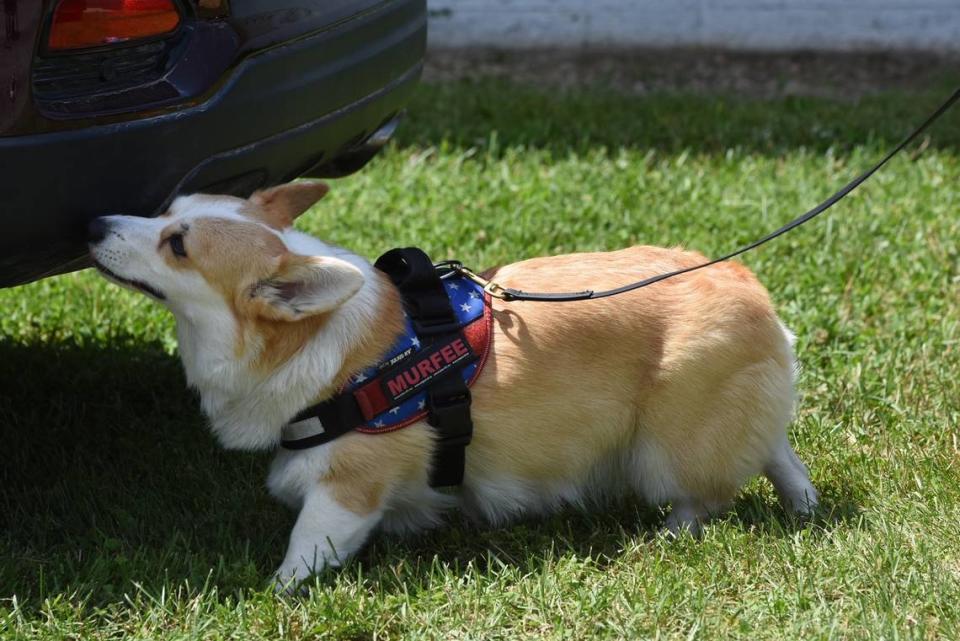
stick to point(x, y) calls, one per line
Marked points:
point(569, 384)
point(391, 324)
point(279, 206)
point(230, 254)
point(566, 385)
point(279, 340)
point(361, 470)
point(233, 257)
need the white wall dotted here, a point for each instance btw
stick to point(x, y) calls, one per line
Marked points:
point(735, 24)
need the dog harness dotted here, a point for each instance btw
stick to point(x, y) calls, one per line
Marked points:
point(426, 374)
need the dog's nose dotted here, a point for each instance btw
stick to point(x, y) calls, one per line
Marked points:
point(97, 230)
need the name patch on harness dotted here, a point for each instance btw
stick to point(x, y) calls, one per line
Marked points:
point(429, 364)
point(393, 393)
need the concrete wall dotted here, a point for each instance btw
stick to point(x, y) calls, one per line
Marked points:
point(735, 24)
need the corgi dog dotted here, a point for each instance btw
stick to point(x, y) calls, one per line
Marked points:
point(676, 393)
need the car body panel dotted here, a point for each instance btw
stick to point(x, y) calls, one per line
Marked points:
point(311, 82)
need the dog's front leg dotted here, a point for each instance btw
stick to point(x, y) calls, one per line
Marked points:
point(325, 534)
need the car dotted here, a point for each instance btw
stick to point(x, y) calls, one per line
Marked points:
point(117, 106)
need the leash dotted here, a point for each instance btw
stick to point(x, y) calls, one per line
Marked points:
point(452, 267)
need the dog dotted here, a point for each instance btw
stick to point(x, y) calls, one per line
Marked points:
point(677, 393)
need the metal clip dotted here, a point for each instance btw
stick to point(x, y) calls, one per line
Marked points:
point(497, 291)
point(448, 268)
point(490, 287)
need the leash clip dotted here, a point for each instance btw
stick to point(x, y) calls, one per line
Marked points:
point(497, 291)
point(450, 268)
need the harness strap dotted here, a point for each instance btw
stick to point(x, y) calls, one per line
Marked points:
point(337, 416)
point(448, 399)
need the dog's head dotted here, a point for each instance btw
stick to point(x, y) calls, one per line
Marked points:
point(225, 256)
point(251, 295)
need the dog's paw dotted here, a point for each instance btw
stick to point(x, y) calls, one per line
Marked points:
point(290, 581)
point(687, 518)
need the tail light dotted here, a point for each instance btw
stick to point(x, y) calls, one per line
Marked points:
point(79, 24)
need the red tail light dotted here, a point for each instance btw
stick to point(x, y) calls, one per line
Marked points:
point(92, 23)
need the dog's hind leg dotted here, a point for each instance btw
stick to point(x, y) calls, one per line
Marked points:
point(791, 479)
point(655, 479)
point(689, 515)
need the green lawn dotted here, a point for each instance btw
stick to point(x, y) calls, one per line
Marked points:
point(119, 515)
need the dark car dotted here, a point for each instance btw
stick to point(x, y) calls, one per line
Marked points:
point(116, 106)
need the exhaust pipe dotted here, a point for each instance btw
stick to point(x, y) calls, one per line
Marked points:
point(354, 157)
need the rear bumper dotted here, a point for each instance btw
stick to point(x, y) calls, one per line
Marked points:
point(279, 113)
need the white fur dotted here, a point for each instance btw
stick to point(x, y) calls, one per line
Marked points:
point(246, 412)
point(325, 534)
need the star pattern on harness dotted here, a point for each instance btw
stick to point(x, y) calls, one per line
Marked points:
point(467, 302)
point(383, 408)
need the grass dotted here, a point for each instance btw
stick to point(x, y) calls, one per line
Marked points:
point(119, 516)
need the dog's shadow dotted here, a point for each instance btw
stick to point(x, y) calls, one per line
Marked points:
point(110, 480)
point(602, 536)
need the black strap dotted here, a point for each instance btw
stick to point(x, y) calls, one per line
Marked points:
point(448, 404)
point(448, 399)
point(339, 415)
point(424, 295)
point(515, 294)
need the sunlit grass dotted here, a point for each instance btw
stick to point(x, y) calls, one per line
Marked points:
point(121, 517)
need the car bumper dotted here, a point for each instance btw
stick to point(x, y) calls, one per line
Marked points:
point(278, 114)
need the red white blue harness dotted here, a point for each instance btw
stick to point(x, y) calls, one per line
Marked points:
point(426, 374)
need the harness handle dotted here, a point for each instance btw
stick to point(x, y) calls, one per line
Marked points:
point(510, 294)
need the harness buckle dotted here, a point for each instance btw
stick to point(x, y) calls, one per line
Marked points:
point(451, 412)
point(431, 327)
point(461, 440)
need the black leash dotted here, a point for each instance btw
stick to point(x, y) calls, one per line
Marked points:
point(509, 294)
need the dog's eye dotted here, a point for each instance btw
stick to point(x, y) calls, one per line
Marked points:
point(176, 245)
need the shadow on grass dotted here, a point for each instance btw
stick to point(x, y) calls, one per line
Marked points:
point(111, 477)
point(602, 535)
point(111, 480)
point(492, 115)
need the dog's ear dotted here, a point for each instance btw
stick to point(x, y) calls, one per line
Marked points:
point(279, 206)
point(305, 286)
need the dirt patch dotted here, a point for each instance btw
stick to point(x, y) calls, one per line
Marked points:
point(760, 75)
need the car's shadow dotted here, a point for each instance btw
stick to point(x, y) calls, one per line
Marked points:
point(111, 480)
